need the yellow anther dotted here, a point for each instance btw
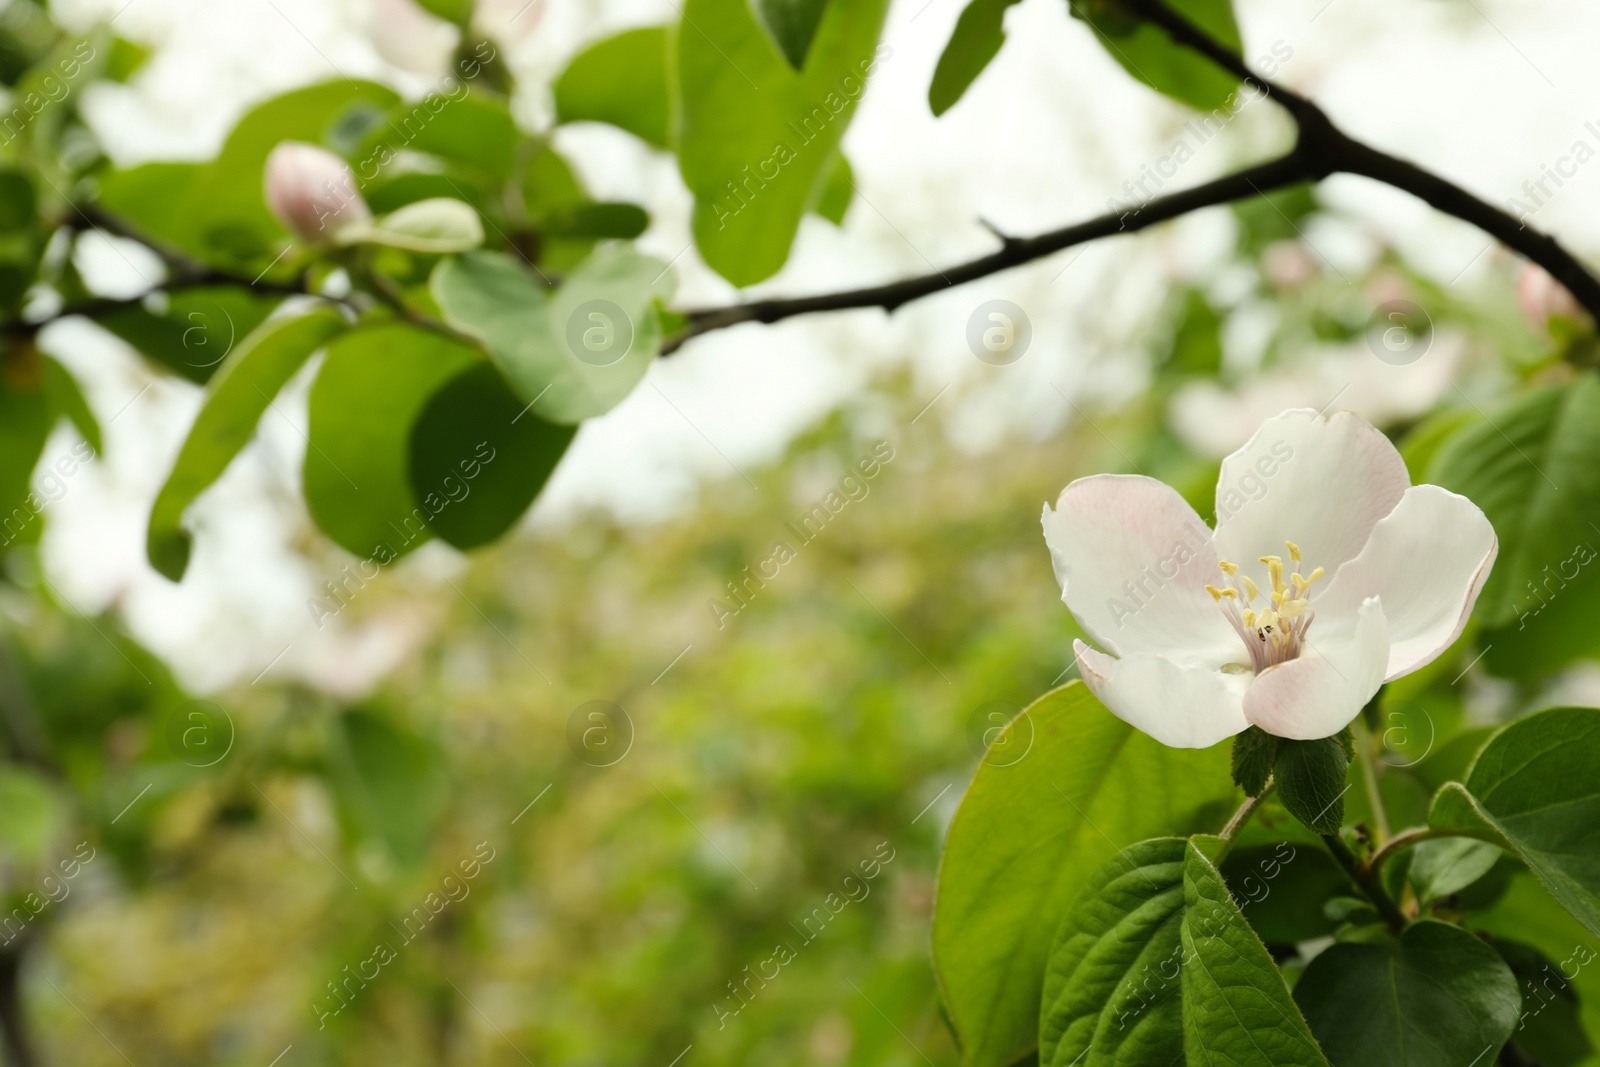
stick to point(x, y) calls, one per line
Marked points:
point(1249, 618)
point(1275, 569)
point(1230, 569)
point(1250, 590)
point(1218, 594)
point(1294, 551)
point(1313, 576)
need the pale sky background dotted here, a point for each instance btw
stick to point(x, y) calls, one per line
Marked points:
point(1483, 91)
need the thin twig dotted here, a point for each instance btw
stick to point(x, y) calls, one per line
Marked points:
point(1366, 881)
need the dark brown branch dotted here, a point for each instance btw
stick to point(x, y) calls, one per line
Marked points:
point(1014, 252)
point(1320, 149)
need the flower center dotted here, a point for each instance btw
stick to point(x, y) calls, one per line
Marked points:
point(1276, 633)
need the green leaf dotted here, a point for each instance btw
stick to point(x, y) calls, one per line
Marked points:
point(1530, 467)
point(792, 25)
point(1254, 753)
point(1026, 839)
point(244, 387)
point(1436, 997)
point(574, 353)
point(126, 59)
point(192, 330)
point(1146, 52)
point(390, 782)
point(837, 194)
point(1236, 1008)
point(478, 458)
point(977, 38)
point(597, 220)
point(621, 80)
point(1533, 790)
point(373, 385)
point(1124, 927)
point(25, 422)
point(1527, 914)
point(66, 398)
point(474, 130)
point(1551, 1028)
point(1448, 865)
point(757, 139)
point(1281, 888)
point(435, 227)
point(1311, 781)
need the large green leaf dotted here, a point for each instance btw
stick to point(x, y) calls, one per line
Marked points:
point(192, 330)
point(1434, 997)
point(1150, 55)
point(373, 385)
point(1534, 790)
point(479, 457)
point(1156, 964)
point(621, 80)
point(1530, 467)
point(976, 40)
point(757, 138)
point(244, 387)
point(475, 131)
point(573, 353)
point(1236, 1008)
point(1026, 839)
point(1112, 984)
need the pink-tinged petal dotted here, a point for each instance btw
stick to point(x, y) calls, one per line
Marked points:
point(1182, 707)
point(1322, 482)
point(1133, 560)
point(1427, 559)
point(1323, 691)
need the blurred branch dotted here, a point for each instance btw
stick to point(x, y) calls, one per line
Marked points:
point(1321, 149)
point(13, 1029)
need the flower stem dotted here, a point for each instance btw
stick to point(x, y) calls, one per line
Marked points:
point(1247, 809)
point(1367, 882)
point(1400, 842)
point(1369, 775)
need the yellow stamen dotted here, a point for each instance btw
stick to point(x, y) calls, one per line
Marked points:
point(1294, 551)
point(1250, 590)
point(1230, 569)
point(1218, 594)
point(1275, 569)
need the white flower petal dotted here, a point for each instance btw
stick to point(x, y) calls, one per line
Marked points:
point(1320, 693)
point(1427, 559)
point(1321, 482)
point(1133, 560)
point(1182, 707)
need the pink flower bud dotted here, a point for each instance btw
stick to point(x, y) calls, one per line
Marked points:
point(313, 192)
point(1542, 298)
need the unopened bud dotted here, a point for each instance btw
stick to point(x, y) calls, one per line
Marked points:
point(313, 192)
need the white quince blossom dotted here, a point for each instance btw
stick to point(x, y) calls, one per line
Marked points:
point(1210, 632)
